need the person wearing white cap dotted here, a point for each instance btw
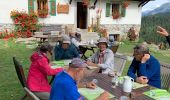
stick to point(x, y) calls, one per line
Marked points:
point(66, 50)
point(65, 83)
point(103, 58)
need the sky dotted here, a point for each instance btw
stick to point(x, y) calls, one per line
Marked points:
point(153, 4)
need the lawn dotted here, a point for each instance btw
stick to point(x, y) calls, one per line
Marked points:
point(10, 88)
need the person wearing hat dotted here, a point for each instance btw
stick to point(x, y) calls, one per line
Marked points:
point(65, 83)
point(66, 50)
point(145, 68)
point(39, 70)
point(103, 58)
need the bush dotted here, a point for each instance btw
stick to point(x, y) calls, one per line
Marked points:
point(24, 23)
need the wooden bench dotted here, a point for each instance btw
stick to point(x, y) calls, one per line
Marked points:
point(46, 29)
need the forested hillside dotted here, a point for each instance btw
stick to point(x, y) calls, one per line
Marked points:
point(149, 27)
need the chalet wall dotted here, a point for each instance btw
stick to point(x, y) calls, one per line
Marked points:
point(133, 14)
point(132, 18)
point(6, 6)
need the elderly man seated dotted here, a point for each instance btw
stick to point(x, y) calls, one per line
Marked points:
point(103, 58)
point(65, 83)
point(146, 66)
point(65, 50)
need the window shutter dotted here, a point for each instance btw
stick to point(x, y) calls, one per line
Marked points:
point(53, 7)
point(30, 6)
point(107, 9)
point(123, 11)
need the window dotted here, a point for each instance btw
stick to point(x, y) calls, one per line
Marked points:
point(115, 10)
point(42, 8)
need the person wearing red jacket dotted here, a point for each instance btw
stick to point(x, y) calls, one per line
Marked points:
point(37, 80)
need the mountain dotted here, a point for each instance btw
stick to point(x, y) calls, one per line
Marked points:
point(162, 9)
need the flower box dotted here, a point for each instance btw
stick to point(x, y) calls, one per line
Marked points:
point(43, 13)
point(61, 8)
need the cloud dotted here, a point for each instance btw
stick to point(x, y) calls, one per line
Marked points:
point(157, 6)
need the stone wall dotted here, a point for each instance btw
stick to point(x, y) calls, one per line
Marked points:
point(8, 27)
point(46, 28)
point(121, 29)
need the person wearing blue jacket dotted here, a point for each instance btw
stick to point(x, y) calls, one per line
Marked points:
point(145, 68)
point(65, 50)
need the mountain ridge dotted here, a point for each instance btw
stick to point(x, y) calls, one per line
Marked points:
point(162, 9)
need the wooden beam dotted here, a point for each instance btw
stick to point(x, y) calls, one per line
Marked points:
point(145, 3)
point(95, 2)
point(70, 1)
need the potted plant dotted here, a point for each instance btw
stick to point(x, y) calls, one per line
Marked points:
point(116, 15)
point(42, 13)
point(24, 23)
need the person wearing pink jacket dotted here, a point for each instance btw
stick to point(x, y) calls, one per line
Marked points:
point(37, 80)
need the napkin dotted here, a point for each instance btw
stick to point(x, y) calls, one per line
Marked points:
point(92, 94)
point(158, 94)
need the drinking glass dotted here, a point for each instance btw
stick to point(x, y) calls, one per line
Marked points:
point(95, 81)
point(115, 81)
point(123, 98)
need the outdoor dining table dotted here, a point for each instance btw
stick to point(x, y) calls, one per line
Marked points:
point(85, 46)
point(104, 82)
point(41, 37)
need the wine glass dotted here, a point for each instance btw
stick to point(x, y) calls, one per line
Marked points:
point(115, 81)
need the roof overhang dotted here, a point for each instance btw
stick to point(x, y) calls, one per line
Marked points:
point(143, 2)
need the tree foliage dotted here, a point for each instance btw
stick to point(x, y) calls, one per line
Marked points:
point(149, 27)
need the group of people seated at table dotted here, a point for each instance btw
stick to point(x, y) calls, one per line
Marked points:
point(144, 69)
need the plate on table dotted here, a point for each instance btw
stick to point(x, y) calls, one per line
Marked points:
point(92, 94)
point(60, 63)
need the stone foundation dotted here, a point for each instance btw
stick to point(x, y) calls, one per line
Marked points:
point(6, 27)
point(121, 29)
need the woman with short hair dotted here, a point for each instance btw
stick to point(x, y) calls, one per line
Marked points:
point(103, 58)
point(39, 70)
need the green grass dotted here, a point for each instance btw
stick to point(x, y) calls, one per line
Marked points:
point(11, 89)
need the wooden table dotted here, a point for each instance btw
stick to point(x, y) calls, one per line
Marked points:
point(104, 81)
point(84, 47)
point(41, 37)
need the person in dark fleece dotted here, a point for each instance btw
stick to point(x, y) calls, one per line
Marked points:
point(145, 68)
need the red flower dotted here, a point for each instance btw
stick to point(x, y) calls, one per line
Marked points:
point(125, 4)
point(16, 21)
point(23, 25)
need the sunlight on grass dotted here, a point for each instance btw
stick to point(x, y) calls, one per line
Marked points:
point(11, 89)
